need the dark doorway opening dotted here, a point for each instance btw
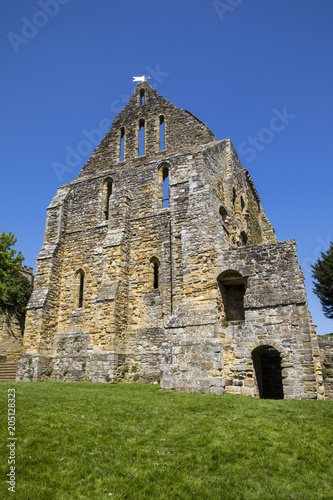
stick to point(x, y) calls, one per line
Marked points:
point(268, 372)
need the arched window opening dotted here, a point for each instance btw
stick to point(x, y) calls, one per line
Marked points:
point(122, 144)
point(232, 288)
point(155, 272)
point(162, 133)
point(107, 191)
point(242, 203)
point(78, 289)
point(165, 176)
point(268, 372)
point(142, 97)
point(141, 137)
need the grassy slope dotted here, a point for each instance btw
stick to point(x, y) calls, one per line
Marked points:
point(84, 441)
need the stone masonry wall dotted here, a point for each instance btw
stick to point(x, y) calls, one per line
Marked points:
point(326, 355)
point(276, 315)
point(127, 289)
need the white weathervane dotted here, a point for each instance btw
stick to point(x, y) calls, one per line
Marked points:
point(140, 78)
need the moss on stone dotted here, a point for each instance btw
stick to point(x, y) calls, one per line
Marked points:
point(256, 236)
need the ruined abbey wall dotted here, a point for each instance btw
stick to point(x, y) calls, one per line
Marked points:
point(189, 288)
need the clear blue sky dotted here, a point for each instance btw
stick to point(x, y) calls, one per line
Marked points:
point(234, 64)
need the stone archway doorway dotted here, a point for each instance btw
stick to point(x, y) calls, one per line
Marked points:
point(268, 372)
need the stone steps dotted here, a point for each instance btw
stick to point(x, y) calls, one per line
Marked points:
point(7, 371)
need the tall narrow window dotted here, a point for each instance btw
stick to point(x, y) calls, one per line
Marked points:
point(107, 191)
point(78, 289)
point(142, 97)
point(141, 137)
point(165, 177)
point(155, 275)
point(122, 144)
point(162, 132)
point(155, 270)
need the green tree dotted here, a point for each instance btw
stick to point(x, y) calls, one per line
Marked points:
point(322, 273)
point(15, 289)
point(10, 263)
point(15, 293)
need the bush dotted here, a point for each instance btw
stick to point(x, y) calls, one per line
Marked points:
point(125, 370)
point(325, 372)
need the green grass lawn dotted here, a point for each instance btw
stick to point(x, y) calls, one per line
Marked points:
point(86, 441)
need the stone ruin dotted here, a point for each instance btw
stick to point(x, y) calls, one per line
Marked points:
point(160, 265)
